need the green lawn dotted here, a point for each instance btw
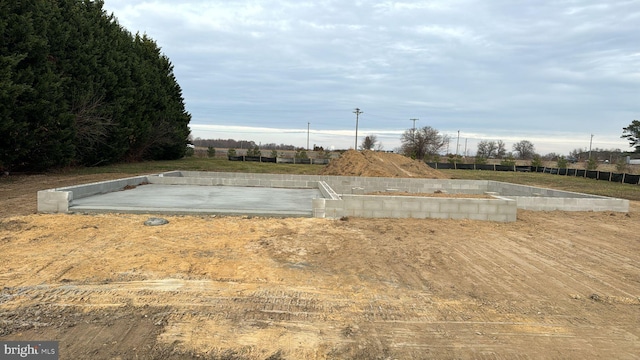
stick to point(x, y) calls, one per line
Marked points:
point(199, 164)
point(589, 186)
point(568, 183)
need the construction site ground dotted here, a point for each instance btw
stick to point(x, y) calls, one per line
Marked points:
point(550, 285)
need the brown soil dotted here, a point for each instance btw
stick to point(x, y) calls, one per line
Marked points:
point(551, 285)
point(380, 164)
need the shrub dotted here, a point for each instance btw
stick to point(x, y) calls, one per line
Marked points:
point(454, 159)
point(189, 152)
point(301, 154)
point(591, 164)
point(480, 160)
point(429, 157)
point(274, 153)
point(231, 152)
point(254, 152)
point(211, 151)
point(536, 161)
point(324, 154)
point(621, 165)
point(508, 161)
point(563, 163)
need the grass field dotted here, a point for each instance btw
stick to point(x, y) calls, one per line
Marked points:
point(198, 164)
point(588, 186)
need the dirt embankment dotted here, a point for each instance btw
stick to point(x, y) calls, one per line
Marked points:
point(380, 164)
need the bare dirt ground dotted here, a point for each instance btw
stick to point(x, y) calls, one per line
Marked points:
point(551, 285)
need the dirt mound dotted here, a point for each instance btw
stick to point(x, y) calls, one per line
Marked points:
point(380, 164)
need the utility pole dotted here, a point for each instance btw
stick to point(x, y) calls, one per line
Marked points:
point(413, 134)
point(465, 147)
point(357, 112)
point(590, 142)
point(414, 124)
point(308, 124)
point(458, 144)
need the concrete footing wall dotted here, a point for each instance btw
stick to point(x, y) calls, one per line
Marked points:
point(292, 183)
point(346, 195)
point(507, 189)
point(503, 210)
point(346, 185)
point(541, 199)
point(571, 204)
point(54, 201)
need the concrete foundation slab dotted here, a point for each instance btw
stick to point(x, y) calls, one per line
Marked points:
point(203, 199)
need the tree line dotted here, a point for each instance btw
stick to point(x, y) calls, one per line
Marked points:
point(238, 144)
point(427, 143)
point(76, 88)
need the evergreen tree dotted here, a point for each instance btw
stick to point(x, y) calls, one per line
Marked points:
point(75, 87)
point(36, 124)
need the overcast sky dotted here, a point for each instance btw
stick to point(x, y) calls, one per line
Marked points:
point(549, 71)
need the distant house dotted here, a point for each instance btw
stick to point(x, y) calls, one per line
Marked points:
point(631, 161)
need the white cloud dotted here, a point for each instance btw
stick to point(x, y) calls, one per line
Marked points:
point(412, 6)
point(545, 70)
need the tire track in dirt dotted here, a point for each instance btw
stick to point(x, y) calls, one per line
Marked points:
point(315, 288)
point(563, 259)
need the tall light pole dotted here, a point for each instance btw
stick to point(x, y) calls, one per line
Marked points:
point(458, 144)
point(357, 112)
point(308, 124)
point(590, 142)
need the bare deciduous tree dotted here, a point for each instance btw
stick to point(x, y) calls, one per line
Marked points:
point(369, 142)
point(422, 142)
point(502, 149)
point(92, 125)
point(487, 149)
point(491, 149)
point(525, 149)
